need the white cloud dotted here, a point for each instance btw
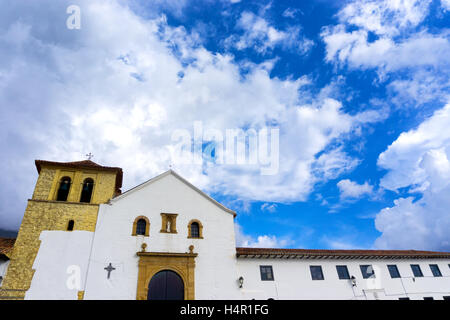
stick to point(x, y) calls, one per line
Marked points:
point(418, 159)
point(421, 225)
point(114, 89)
point(424, 86)
point(290, 12)
point(352, 190)
point(262, 241)
point(340, 243)
point(332, 164)
point(269, 207)
point(388, 37)
point(445, 5)
point(385, 17)
point(262, 37)
point(415, 156)
point(354, 49)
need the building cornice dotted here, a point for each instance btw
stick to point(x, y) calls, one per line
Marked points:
point(269, 253)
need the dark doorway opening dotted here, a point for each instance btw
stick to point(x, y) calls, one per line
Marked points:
point(166, 285)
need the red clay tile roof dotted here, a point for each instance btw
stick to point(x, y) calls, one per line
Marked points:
point(6, 245)
point(316, 253)
point(85, 164)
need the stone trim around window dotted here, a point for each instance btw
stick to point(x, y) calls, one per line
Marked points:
point(147, 226)
point(200, 229)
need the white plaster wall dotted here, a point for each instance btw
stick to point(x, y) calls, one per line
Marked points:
point(58, 251)
point(3, 267)
point(215, 271)
point(293, 280)
point(217, 268)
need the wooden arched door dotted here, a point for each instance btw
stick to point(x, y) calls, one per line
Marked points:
point(166, 285)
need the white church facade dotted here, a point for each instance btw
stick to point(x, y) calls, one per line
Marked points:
point(166, 239)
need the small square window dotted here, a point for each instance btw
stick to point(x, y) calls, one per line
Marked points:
point(342, 272)
point(393, 271)
point(367, 271)
point(266, 273)
point(316, 272)
point(435, 270)
point(428, 298)
point(416, 270)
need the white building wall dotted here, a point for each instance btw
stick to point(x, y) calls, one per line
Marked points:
point(60, 265)
point(215, 270)
point(3, 267)
point(292, 280)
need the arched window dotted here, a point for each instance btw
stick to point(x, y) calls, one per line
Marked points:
point(141, 226)
point(195, 229)
point(70, 225)
point(64, 188)
point(86, 191)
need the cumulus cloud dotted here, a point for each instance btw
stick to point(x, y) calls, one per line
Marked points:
point(352, 190)
point(391, 38)
point(425, 86)
point(412, 159)
point(261, 36)
point(262, 241)
point(119, 90)
point(419, 160)
point(445, 5)
point(385, 17)
point(353, 48)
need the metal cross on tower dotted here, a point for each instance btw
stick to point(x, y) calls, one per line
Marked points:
point(89, 156)
point(109, 268)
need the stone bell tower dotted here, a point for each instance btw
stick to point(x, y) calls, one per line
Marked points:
point(66, 197)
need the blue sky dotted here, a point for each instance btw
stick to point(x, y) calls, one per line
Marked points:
point(359, 91)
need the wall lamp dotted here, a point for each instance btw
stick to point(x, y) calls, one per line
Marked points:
point(353, 279)
point(241, 281)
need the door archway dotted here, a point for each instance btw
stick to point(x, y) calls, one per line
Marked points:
point(166, 285)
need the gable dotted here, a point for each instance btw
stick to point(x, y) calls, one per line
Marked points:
point(178, 178)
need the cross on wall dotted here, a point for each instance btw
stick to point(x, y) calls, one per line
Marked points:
point(109, 268)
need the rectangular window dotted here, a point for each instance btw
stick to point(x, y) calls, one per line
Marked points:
point(342, 272)
point(428, 298)
point(404, 298)
point(446, 297)
point(266, 273)
point(367, 271)
point(316, 272)
point(393, 271)
point(435, 270)
point(416, 270)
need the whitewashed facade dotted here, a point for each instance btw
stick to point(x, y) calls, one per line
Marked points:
point(4, 262)
point(69, 262)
